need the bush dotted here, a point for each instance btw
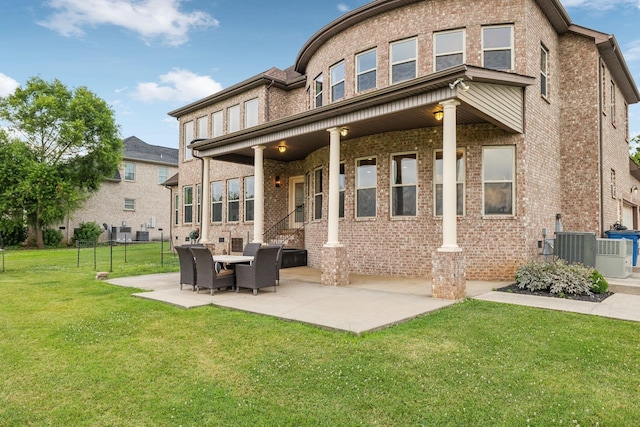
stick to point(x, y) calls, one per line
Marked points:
point(87, 231)
point(558, 277)
point(52, 237)
point(14, 233)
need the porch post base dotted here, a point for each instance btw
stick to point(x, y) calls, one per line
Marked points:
point(449, 281)
point(335, 266)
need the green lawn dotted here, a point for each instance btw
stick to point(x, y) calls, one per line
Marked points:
point(76, 351)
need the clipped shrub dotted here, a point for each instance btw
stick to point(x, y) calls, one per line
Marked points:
point(87, 231)
point(599, 283)
point(52, 237)
point(556, 277)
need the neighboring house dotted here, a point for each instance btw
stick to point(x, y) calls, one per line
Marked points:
point(135, 197)
point(435, 139)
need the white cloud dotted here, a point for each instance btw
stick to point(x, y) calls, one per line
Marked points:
point(7, 85)
point(632, 51)
point(151, 19)
point(343, 8)
point(177, 85)
point(598, 4)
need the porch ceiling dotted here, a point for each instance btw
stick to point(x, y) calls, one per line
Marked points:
point(493, 97)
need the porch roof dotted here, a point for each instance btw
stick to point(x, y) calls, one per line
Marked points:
point(494, 97)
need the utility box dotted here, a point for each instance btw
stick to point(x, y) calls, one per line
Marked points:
point(576, 247)
point(614, 257)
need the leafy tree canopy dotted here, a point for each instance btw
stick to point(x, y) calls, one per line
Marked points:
point(635, 143)
point(66, 144)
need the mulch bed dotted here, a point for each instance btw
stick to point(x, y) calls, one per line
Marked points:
point(579, 297)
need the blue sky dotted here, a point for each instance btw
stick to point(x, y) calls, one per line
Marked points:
point(148, 57)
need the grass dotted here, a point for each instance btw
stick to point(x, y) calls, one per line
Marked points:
point(80, 352)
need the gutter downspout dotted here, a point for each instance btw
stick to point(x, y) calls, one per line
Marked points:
point(601, 136)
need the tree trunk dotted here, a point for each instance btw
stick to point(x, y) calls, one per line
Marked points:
point(34, 235)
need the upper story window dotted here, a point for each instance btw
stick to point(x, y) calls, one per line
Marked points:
point(403, 60)
point(233, 119)
point(449, 49)
point(233, 200)
point(163, 174)
point(251, 113)
point(337, 82)
point(612, 105)
point(188, 137)
point(217, 124)
point(129, 172)
point(497, 47)
point(366, 187)
point(317, 194)
point(216, 201)
point(366, 70)
point(498, 180)
point(203, 127)
point(249, 196)
point(438, 179)
point(317, 91)
point(404, 184)
point(544, 71)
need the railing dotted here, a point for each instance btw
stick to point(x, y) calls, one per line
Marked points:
point(272, 234)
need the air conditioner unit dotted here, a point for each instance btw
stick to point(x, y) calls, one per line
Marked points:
point(576, 247)
point(614, 257)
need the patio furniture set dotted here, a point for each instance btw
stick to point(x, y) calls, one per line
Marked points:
point(257, 267)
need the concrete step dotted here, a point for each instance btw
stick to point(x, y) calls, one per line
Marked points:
point(630, 285)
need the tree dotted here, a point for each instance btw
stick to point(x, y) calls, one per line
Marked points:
point(67, 144)
point(635, 143)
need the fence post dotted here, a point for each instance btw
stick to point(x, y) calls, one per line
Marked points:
point(161, 248)
point(78, 245)
point(95, 244)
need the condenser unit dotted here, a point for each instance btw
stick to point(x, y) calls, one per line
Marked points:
point(576, 247)
point(614, 257)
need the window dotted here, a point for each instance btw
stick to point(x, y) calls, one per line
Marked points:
point(337, 82)
point(403, 60)
point(341, 177)
point(216, 201)
point(366, 74)
point(544, 74)
point(129, 205)
point(460, 180)
point(199, 203)
point(404, 184)
point(449, 49)
point(317, 194)
point(233, 200)
point(188, 137)
point(188, 205)
point(217, 124)
point(497, 47)
point(163, 174)
point(613, 184)
point(317, 84)
point(203, 127)
point(603, 77)
point(233, 117)
point(366, 184)
point(249, 195)
point(129, 172)
point(251, 113)
point(176, 209)
point(498, 180)
point(612, 105)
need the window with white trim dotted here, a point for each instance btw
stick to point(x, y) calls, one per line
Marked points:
point(129, 171)
point(216, 201)
point(199, 203)
point(188, 137)
point(129, 204)
point(203, 127)
point(366, 70)
point(163, 174)
point(449, 49)
point(612, 105)
point(233, 117)
point(317, 193)
point(366, 187)
point(497, 47)
point(438, 180)
point(251, 113)
point(341, 187)
point(337, 81)
point(498, 180)
point(544, 71)
point(176, 209)
point(187, 204)
point(317, 85)
point(249, 196)
point(233, 200)
point(217, 124)
point(403, 60)
point(404, 184)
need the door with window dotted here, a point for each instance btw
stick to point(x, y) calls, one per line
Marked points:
point(296, 201)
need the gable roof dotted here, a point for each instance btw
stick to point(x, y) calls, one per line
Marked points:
point(136, 149)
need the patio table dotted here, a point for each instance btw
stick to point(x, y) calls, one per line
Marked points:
point(233, 259)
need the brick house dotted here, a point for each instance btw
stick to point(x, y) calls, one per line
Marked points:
point(135, 196)
point(418, 138)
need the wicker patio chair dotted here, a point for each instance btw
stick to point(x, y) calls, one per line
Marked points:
point(251, 248)
point(206, 275)
point(187, 267)
point(278, 261)
point(261, 273)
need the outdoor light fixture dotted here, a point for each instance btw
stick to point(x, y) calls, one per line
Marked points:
point(439, 115)
point(344, 131)
point(459, 82)
point(634, 189)
point(278, 183)
point(282, 148)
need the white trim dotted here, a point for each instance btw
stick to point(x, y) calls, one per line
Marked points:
point(406, 61)
point(359, 73)
point(511, 47)
point(357, 187)
point(435, 46)
point(512, 148)
point(333, 84)
point(316, 194)
point(392, 185)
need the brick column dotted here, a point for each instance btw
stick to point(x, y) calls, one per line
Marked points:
point(335, 266)
point(449, 281)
